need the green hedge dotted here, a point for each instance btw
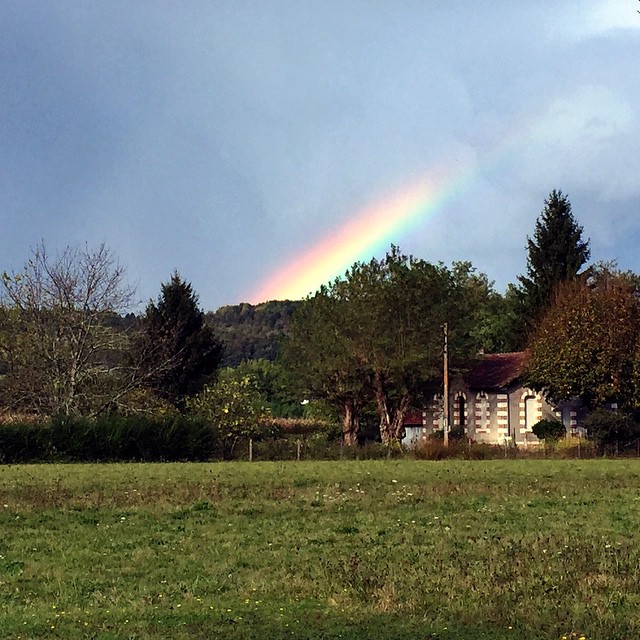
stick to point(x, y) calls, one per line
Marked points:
point(182, 438)
point(109, 438)
point(140, 438)
point(317, 446)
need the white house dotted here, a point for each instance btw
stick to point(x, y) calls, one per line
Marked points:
point(492, 405)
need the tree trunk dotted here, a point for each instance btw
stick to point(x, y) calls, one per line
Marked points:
point(386, 434)
point(391, 418)
point(350, 422)
point(397, 424)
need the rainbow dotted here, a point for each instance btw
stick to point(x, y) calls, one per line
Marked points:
point(375, 227)
point(368, 232)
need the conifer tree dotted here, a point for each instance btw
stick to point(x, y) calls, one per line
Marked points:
point(178, 351)
point(556, 253)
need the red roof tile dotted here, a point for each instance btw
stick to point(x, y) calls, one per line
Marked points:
point(413, 418)
point(496, 370)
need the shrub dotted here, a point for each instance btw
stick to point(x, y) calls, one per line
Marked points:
point(457, 434)
point(434, 449)
point(612, 429)
point(575, 447)
point(23, 442)
point(300, 426)
point(549, 430)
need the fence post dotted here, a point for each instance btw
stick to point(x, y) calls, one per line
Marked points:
point(298, 446)
point(250, 449)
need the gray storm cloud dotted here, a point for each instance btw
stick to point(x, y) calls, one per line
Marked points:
point(220, 139)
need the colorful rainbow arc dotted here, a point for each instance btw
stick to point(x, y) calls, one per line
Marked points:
point(360, 236)
point(378, 225)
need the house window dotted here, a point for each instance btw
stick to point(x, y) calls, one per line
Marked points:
point(437, 409)
point(530, 412)
point(462, 410)
point(482, 411)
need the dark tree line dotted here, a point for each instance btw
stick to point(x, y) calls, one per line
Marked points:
point(369, 343)
point(67, 348)
point(252, 332)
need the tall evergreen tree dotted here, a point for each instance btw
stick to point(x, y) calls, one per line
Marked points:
point(556, 253)
point(178, 351)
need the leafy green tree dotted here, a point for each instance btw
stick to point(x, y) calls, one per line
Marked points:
point(320, 356)
point(484, 325)
point(177, 352)
point(513, 321)
point(377, 334)
point(233, 406)
point(279, 391)
point(556, 253)
point(588, 344)
point(399, 305)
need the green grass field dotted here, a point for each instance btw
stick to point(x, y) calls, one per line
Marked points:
point(373, 549)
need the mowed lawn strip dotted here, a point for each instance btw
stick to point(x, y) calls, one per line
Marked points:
point(358, 549)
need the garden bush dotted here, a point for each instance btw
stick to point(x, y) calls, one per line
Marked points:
point(549, 430)
point(612, 431)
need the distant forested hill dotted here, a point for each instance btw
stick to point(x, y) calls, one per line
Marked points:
point(251, 331)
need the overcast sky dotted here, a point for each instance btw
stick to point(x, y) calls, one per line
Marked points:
point(222, 138)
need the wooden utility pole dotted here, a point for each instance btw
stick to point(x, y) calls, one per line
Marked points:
point(445, 399)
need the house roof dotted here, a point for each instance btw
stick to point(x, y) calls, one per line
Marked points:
point(413, 418)
point(496, 370)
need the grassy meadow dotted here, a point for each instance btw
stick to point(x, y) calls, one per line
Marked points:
point(392, 549)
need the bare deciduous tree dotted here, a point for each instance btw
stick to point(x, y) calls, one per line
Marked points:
point(59, 337)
